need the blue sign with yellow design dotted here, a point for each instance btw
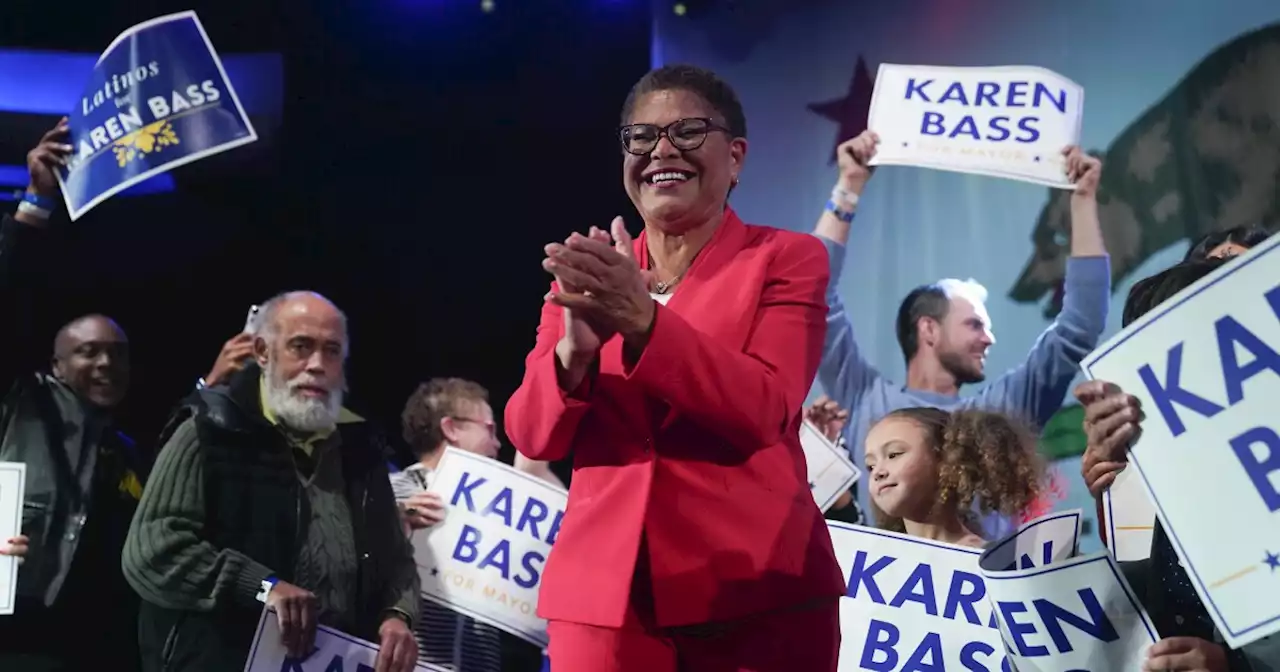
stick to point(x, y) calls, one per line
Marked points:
point(158, 98)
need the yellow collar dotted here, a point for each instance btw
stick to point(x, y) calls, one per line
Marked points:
point(344, 417)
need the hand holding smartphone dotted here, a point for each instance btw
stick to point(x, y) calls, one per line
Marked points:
point(253, 319)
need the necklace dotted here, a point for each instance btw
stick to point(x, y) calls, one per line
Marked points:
point(664, 287)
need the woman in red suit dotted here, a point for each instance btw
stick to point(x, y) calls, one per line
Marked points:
point(673, 369)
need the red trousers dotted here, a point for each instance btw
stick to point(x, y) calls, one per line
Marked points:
point(795, 640)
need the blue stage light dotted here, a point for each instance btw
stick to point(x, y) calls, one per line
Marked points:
point(47, 82)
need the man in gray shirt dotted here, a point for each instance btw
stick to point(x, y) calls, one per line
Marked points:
point(944, 329)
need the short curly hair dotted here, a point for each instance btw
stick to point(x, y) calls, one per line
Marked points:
point(698, 81)
point(431, 403)
point(984, 458)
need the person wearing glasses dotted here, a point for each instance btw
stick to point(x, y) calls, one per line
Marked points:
point(673, 369)
point(442, 413)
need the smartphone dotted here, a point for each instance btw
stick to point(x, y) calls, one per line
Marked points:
point(252, 319)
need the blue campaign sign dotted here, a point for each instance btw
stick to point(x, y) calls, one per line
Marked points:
point(158, 98)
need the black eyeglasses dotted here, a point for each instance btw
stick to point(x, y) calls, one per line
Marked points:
point(489, 426)
point(685, 134)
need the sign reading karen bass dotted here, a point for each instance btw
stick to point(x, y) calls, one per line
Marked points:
point(485, 559)
point(333, 651)
point(1010, 121)
point(1061, 611)
point(1206, 367)
point(913, 604)
point(158, 98)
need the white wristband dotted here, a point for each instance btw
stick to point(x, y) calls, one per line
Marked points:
point(847, 199)
point(34, 210)
point(267, 585)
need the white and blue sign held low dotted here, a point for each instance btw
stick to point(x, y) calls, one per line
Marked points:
point(1009, 121)
point(912, 604)
point(1206, 366)
point(1058, 611)
point(158, 98)
point(486, 558)
point(13, 481)
point(333, 652)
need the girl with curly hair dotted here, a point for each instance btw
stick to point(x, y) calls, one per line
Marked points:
point(931, 470)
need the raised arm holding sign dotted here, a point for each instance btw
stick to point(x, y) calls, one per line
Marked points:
point(944, 328)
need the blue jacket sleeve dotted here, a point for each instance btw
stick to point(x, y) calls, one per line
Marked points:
point(845, 374)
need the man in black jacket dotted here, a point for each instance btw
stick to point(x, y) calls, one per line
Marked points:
point(83, 478)
point(267, 492)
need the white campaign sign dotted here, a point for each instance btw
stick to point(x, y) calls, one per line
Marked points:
point(912, 604)
point(1205, 366)
point(1129, 516)
point(1062, 612)
point(486, 559)
point(13, 481)
point(1011, 121)
point(831, 474)
point(333, 651)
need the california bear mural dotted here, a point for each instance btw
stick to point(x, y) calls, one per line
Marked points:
point(1205, 158)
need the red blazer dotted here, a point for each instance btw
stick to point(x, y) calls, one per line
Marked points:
point(697, 445)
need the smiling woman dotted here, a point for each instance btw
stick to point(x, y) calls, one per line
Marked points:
point(672, 368)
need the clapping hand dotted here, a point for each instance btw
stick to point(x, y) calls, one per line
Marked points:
point(612, 290)
point(583, 337)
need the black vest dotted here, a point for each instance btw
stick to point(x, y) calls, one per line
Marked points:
point(255, 505)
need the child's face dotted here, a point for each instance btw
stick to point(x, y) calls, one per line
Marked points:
point(903, 468)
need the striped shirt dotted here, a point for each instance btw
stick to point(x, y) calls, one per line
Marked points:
point(445, 637)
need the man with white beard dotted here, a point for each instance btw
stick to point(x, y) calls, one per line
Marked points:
point(268, 492)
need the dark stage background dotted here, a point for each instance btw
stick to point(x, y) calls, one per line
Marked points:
point(426, 152)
